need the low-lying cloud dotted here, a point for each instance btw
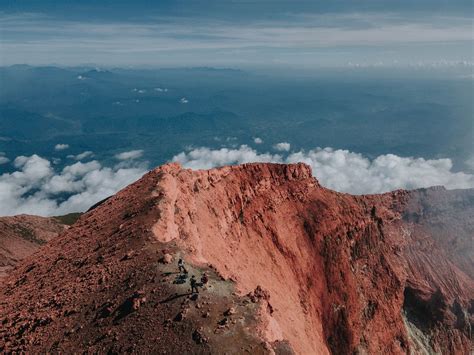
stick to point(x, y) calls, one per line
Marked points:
point(343, 170)
point(133, 154)
point(36, 188)
point(206, 158)
point(282, 147)
point(61, 146)
point(3, 158)
point(81, 156)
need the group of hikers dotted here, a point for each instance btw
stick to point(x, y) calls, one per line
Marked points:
point(193, 280)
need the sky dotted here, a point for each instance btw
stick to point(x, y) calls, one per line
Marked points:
point(258, 33)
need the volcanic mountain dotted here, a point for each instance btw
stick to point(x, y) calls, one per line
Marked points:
point(292, 266)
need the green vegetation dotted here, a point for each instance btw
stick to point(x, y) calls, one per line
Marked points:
point(28, 234)
point(68, 219)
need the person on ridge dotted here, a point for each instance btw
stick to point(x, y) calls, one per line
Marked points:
point(204, 279)
point(181, 267)
point(194, 288)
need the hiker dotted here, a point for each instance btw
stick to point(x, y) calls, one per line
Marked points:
point(194, 288)
point(181, 267)
point(204, 279)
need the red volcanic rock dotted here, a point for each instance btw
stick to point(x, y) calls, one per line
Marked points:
point(167, 258)
point(304, 270)
point(22, 235)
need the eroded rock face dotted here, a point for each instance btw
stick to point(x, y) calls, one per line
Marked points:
point(304, 269)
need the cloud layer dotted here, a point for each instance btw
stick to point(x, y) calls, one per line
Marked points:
point(36, 188)
point(343, 170)
point(295, 38)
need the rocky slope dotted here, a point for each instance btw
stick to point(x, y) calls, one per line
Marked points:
point(293, 268)
point(21, 236)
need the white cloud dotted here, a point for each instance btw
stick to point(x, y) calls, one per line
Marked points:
point(3, 158)
point(258, 140)
point(205, 158)
point(282, 147)
point(132, 154)
point(61, 146)
point(184, 100)
point(83, 155)
point(470, 162)
point(343, 170)
point(36, 188)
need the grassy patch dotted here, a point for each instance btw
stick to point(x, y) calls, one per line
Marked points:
point(68, 219)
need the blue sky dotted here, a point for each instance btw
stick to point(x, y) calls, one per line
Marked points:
point(259, 33)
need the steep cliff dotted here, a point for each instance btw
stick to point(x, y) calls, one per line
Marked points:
point(293, 268)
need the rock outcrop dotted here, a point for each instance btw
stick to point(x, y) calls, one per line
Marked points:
point(293, 268)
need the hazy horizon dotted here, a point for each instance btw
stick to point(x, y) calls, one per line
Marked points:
point(301, 34)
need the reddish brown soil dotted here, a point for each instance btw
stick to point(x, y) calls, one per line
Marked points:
point(21, 236)
point(305, 269)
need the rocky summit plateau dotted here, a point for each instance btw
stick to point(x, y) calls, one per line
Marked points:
point(292, 268)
